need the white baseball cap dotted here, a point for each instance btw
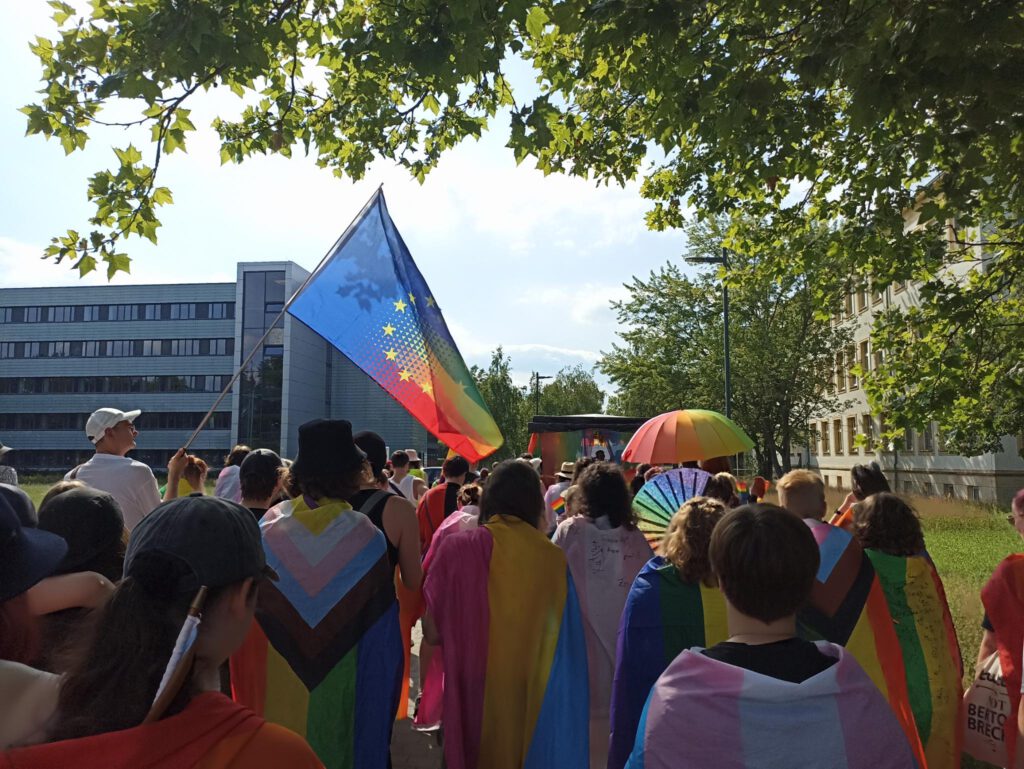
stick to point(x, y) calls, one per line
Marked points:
point(101, 419)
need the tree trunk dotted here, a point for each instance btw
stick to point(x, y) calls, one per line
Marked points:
point(787, 443)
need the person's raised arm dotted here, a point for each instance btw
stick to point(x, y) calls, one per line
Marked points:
point(83, 589)
point(175, 467)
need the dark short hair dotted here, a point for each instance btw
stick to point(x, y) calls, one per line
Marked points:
point(720, 489)
point(765, 560)
point(399, 459)
point(512, 489)
point(329, 486)
point(259, 485)
point(605, 493)
point(887, 523)
point(454, 467)
point(867, 480)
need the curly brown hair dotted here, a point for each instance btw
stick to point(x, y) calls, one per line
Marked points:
point(603, 491)
point(685, 544)
point(470, 494)
point(885, 522)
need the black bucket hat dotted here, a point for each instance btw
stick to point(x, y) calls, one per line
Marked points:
point(194, 541)
point(26, 555)
point(375, 448)
point(326, 448)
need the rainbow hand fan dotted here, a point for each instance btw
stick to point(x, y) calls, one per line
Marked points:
point(660, 498)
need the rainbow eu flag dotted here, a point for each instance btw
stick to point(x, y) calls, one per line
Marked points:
point(369, 300)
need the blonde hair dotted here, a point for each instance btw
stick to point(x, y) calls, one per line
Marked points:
point(685, 544)
point(59, 488)
point(802, 492)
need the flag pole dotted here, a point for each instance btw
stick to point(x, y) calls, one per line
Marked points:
point(255, 348)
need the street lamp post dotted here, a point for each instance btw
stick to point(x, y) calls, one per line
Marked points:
point(724, 261)
point(537, 376)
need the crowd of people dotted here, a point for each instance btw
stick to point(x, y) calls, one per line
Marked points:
point(270, 624)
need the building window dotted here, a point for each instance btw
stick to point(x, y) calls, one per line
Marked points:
point(837, 436)
point(851, 435)
point(6, 349)
point(899, 285)
point(865, 358)
point(929, 489)
point(840, 373)
point(851, 377)
point(151, 347)
point(974, 493)
point(812, 438)
point(867, 426)
point(908, 440)
point(30, 350)
point(862, 299)
point(58, 349)
point(217, 310)
point(825, 449)
point(184, 347)
point(877, 359)
point(153, 312)
point(6, 314)
point(60, 314)
point(123, 312)
point(876, 294)
point(91, 312)
point(925, 440)
point(849, 304)
point(183, 311)
point(908, 487)
point(33, 314)
point(947, 491)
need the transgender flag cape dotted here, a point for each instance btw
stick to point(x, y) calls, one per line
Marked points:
point(705, 713)
point(325, 655)
point(515, 663)
point(663, 615)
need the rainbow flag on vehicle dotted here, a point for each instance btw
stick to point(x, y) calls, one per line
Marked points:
point(324, 657)
point(663, 615)
point(369, 300)
point(515, 663)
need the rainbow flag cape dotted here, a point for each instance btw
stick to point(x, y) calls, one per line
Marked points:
point(325, 656)
point(705, 713)
point(1003, 597)
point(848, 607)
point(369, 300)
point(931, 654)
point(662, 617)
point(515, 669)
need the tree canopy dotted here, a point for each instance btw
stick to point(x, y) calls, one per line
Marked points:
point(782, 351)
point(840, 120)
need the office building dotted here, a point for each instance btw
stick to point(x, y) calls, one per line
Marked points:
point(170, 350)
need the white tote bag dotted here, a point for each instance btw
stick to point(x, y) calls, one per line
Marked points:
point(987, 710)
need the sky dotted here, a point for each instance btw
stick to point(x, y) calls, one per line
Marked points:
point(514, 258)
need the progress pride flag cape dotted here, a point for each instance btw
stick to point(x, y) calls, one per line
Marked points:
point(515, 663)
point(325, 656)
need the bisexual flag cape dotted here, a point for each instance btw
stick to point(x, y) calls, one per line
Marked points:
point(706, 713)
point(1003, 597)
point(515, 666)
point(325, 655)
point(663, 616)
point(212, 732)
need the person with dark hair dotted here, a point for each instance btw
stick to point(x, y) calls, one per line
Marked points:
point(259, 481)
point(889, 531)
point(441, 501)
point(326, 652)
point(865, 480)
point(638, 478)
point(228, 485)
point(28, 697)
point(605, 551)
point(137, 692)
point(395, 516)
point(502, 604)
point(411, 486)
point(90, 521)
point(765, 697)
point(673, 604)
point(721, 488)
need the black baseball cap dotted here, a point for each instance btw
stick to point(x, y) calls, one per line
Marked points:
point(260, 463)
point(21, 504)
point(26, 555)
point(194, 541)
point(374, 447)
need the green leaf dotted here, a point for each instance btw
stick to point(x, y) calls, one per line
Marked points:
point(536, 20)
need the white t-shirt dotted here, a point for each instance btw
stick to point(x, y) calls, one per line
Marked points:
point(551, 496)
point(406, 487)
point(131, 483)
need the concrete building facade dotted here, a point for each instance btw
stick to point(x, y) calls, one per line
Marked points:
point(169, 350)
point(919, 464)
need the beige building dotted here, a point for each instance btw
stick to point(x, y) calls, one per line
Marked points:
point(919, 464)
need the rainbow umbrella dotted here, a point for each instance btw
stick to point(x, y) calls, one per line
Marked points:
point(682, 436)
point(661, 497)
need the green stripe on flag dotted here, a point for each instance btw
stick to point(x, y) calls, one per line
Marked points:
point(683, 613)
point(330, 730)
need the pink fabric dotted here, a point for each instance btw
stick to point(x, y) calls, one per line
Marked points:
point(458, 577)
